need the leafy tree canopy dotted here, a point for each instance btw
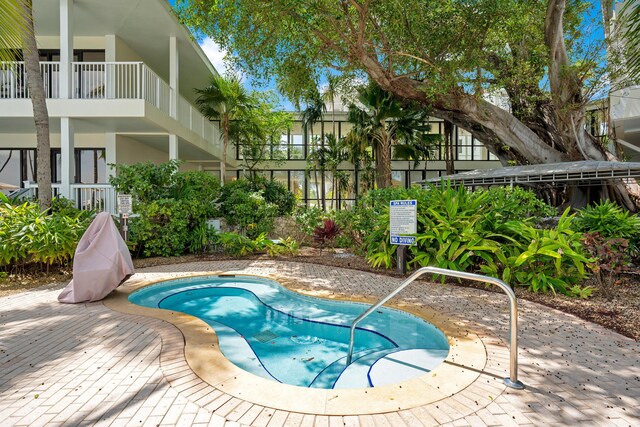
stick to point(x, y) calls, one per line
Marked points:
point(445, 44)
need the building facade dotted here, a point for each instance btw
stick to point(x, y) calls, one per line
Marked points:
point(119, 78)
point(120, 75)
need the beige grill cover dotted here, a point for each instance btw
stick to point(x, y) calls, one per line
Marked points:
point(101, 262)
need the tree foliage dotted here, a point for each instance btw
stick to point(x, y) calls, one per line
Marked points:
point(256, 132)
point(446, 54)
point(225, 99)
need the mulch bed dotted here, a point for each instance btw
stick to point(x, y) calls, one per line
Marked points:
point(621, 314)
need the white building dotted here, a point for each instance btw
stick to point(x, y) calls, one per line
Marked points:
point(625, 110)
point(119, 78)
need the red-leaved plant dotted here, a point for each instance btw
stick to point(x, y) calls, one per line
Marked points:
point(610, 257)
point(326, 233)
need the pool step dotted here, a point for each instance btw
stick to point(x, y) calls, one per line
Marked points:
point(356, 374)
point(404, 365)
point(330, 374)
point(237, 350)
point(389, 366)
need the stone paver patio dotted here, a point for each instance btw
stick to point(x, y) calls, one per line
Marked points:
point(86, 364)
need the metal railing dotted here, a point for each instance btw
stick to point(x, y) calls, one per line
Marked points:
point(109, 80)
point(14, 79)
point(98, 197)
point(512, 380)
point(190, 117)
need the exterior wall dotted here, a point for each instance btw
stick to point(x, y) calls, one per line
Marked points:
point(79, 42)
point(129, 151)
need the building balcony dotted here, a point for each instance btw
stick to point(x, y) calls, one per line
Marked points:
point(108, 81)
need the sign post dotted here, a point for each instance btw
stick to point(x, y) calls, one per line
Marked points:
point(403, 221)
point(125, 208)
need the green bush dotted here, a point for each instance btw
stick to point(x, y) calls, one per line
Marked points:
point(173, 207)
point(236, 244)
point(505, 204)
point(249, 211)
point(541, 259)
point(253, 205)
point(490, 231)
point(30, 236)
point(164, 227)
point(272, 191)
point(609, 220)
point(308, 218)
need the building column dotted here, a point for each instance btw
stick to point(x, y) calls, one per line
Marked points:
point(66, 49)
point(173, 147)
point(174, 75)
point(67, 168)
point(110, 56)
point(110, 153)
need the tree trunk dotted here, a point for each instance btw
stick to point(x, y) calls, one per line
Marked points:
point(448, 148)
point(40, 114)
point(383, 161)
point(225, 144)
point(511, 140)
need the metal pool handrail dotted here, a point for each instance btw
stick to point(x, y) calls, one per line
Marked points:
point(512, 380)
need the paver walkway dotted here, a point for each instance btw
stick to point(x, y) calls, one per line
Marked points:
point(86, 364)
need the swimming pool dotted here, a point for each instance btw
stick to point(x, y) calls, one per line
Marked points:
point(274, 333)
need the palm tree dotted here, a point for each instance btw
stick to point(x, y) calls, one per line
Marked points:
point(382, 121)
point(223, 100)
point(631, 36)
point(411, 133)
point(16, 29)
point(312, 114)
point(328, 158)
point(13, 24)
point(329, 96)
point(40, 111)
point(371, 124)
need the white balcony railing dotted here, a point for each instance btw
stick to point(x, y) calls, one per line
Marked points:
point(190, 117)
point(97, 197)
point(108, 80)
point(13, 79)
point(120, 80)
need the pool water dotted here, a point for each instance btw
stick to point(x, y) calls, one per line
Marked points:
point(299, 340)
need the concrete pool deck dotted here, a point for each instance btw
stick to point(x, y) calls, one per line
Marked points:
point(87, 364)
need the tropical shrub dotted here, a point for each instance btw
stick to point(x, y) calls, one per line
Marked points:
point(173, 207)
point(236, 244)
point(164, 228)
point(253, 205)
point(203, 239)
point(239, 245)
point(485, 231)
point(30, 236)
point(308, 218)
point(609, 260)
point(284, 247)
point(326, 233)
point(451, 232)
point(515, 203)
point(541, 259)
point(610, 221)
point(249, 211)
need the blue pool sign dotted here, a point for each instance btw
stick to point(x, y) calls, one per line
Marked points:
point(402, 221)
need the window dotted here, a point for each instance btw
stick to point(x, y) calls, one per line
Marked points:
point(17, 165)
